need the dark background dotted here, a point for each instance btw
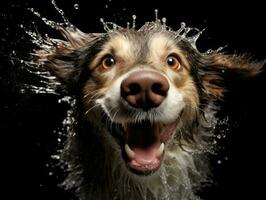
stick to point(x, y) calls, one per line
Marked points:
point(28, 121)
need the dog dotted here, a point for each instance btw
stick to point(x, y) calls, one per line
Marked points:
point(144, 99)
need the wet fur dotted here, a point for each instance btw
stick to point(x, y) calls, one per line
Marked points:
point(96, 170)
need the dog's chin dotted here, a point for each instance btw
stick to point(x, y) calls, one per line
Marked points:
point(143, 144)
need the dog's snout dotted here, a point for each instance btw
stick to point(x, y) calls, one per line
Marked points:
point(144, 89)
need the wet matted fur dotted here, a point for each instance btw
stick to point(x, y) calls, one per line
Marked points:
point(99, 167)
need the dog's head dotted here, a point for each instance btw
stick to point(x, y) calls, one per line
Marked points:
point(143, 84)
point(151, 85)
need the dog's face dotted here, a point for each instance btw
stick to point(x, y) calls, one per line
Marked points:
point(147, 88)
point(143, 83)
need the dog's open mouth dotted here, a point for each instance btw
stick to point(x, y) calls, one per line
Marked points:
point(144, 144)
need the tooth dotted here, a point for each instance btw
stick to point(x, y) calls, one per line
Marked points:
point(159, 151)
point(129, 152)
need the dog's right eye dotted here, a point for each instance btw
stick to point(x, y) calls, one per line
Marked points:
point(107, 62)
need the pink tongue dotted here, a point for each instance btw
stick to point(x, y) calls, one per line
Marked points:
point(144, 157)
point(145, 160)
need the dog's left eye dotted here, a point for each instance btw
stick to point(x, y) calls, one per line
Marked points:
point(107, 62)
point(173, 62)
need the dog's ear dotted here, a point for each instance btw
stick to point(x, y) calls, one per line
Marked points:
point(62, 57)
point(220, 71)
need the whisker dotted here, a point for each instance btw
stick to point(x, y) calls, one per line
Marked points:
point(87, 111)
point(93, 97)
point(113, 118)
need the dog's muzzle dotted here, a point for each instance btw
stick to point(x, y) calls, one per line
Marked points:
point(144, 141)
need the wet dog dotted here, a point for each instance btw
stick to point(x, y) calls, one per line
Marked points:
point(142, 108)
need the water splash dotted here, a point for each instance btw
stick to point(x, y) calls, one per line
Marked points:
point(52, 24)
point(47, 84)
point(61, 12)
point(190, 34)
point(211, 51)
point(62, 132)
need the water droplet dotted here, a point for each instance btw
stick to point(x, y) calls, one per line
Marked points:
point(209, 51)
point(164, 21)
point(134, 17)
point(59, 151)
point(50, 173)
point(22, 91)
point(219, 162)
point(156, 14)
point(56, 157)
point(183, 24)
point(76, 6)
point(105, 26)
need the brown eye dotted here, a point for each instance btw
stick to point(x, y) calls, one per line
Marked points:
point(108, 62)
point(173, 62)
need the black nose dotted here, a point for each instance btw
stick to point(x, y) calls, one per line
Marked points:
point(144, 89)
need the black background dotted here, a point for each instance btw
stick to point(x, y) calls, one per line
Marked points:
point(28, 121)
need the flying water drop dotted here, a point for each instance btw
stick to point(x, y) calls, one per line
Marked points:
point(156, 14)
point(134, 17)
point(164, 21)
point(76, 6)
